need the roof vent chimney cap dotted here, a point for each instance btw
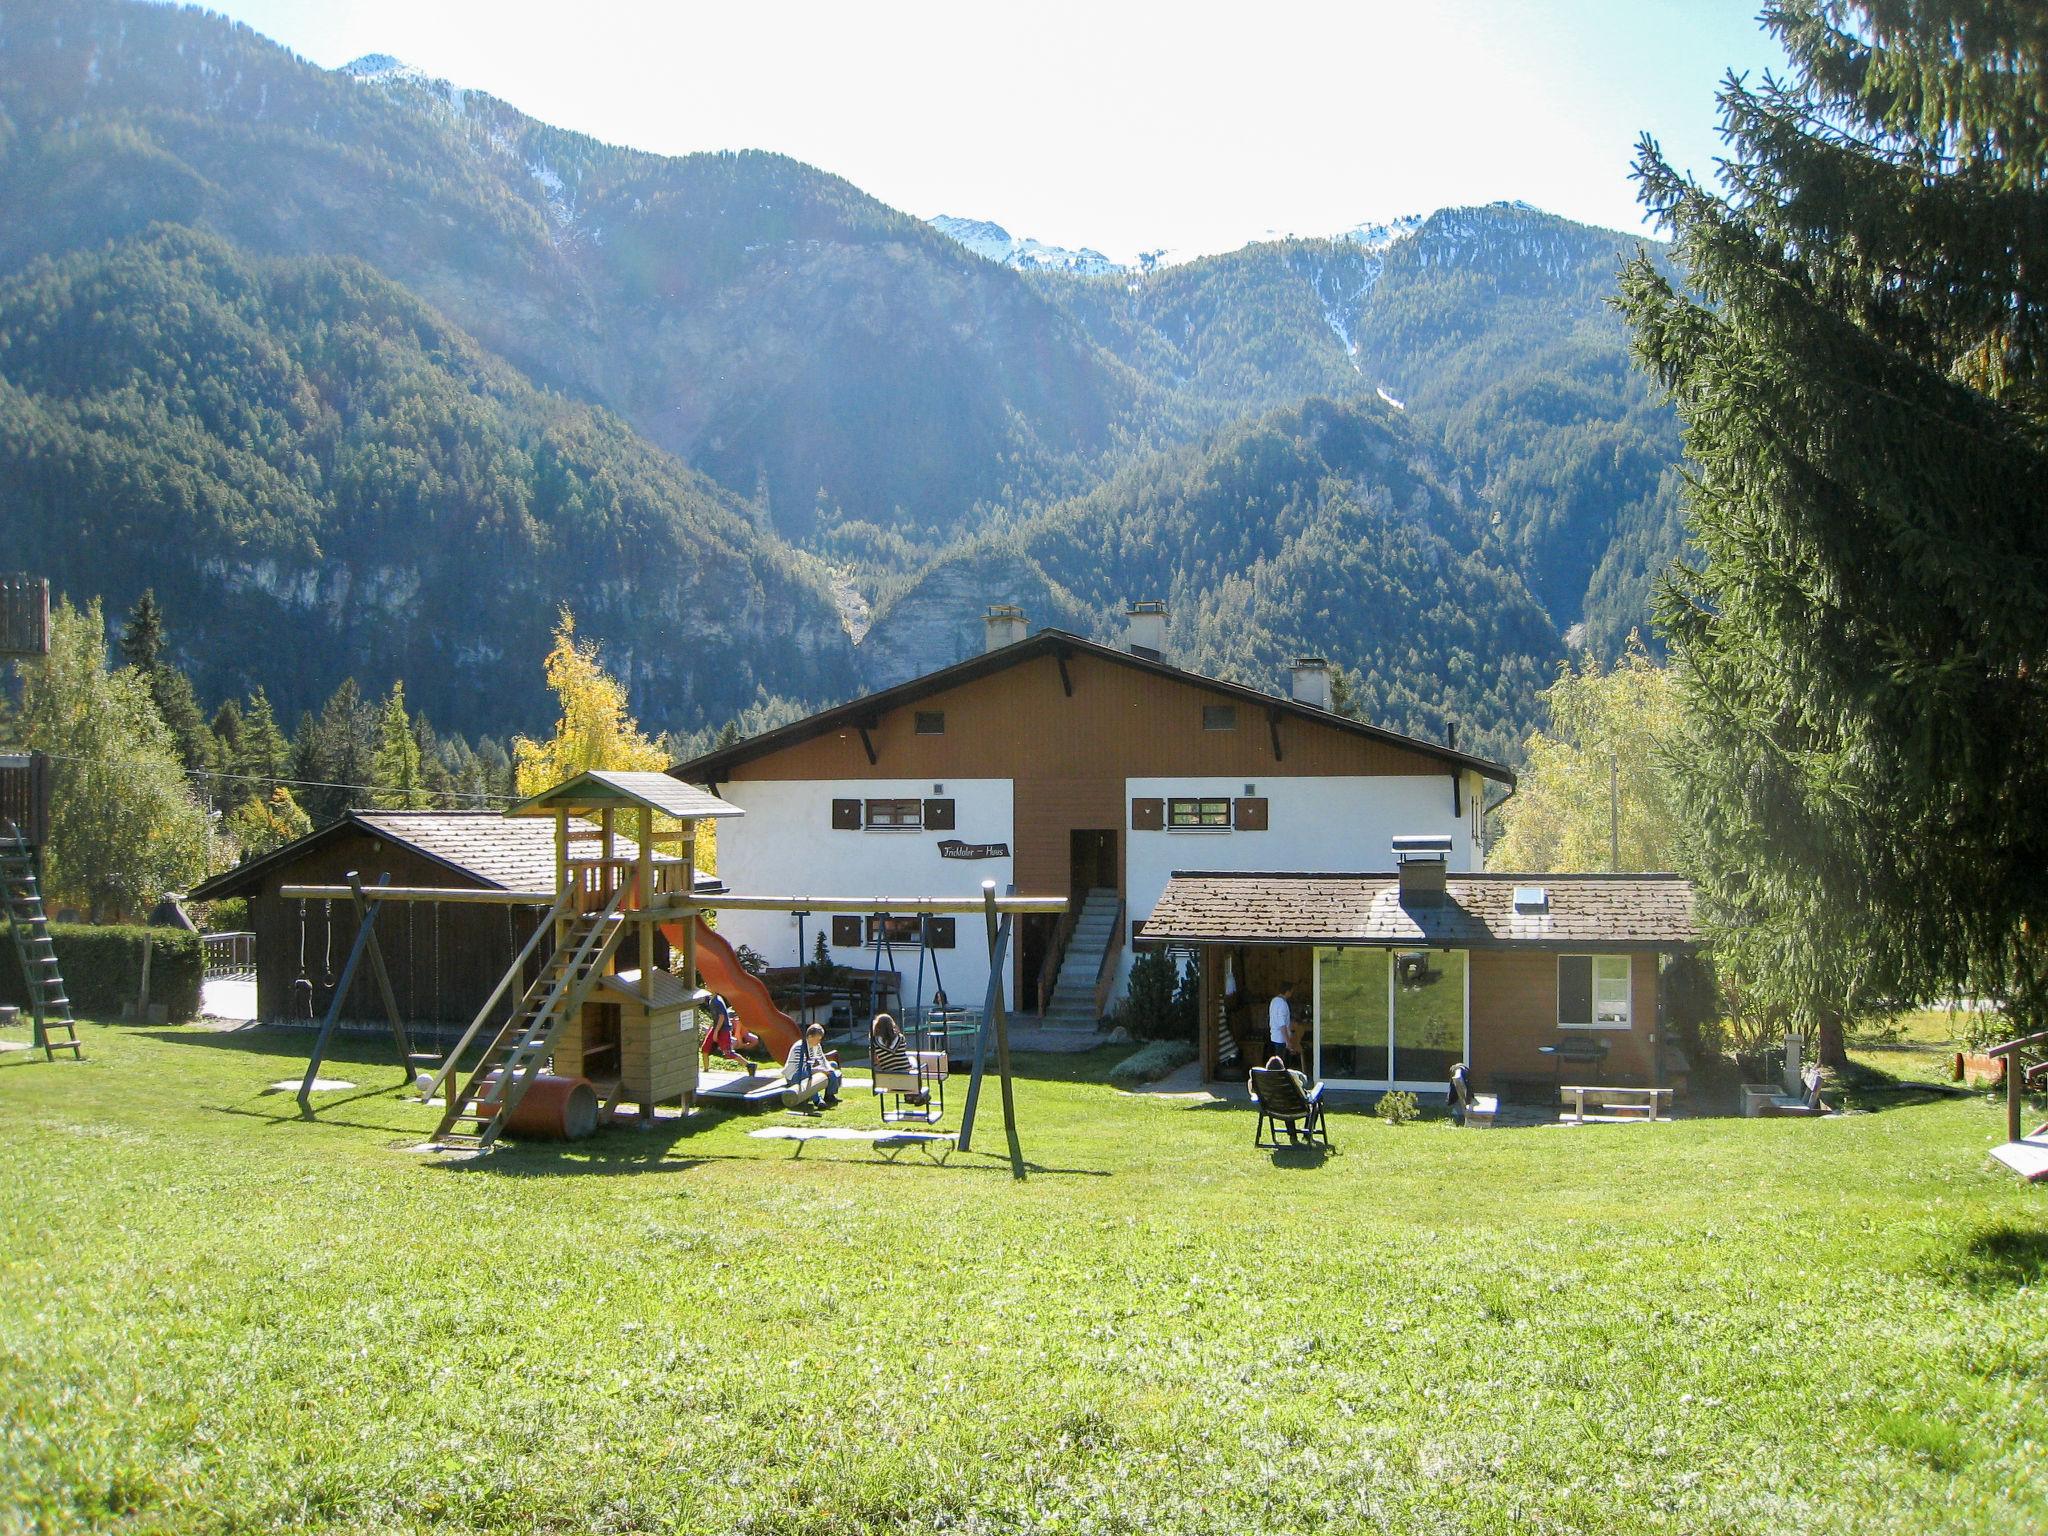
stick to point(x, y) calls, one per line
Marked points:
point(1423, 861)
point(1312, 685)
point(1145, 629)
point(1006, 626)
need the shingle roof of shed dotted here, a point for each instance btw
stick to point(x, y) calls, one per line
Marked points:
point(478, 847)
point(1478, 912)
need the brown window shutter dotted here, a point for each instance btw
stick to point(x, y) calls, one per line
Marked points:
point(938, 815)
point(846, 815)
point(938, 932)
point(1148, 815)
point(845, 934)
point(1251, 814)
point(1137, 929)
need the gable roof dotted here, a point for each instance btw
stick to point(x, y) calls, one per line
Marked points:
point(713, 767)
point(480, 848)
point(597, 787)
point(1478, 911)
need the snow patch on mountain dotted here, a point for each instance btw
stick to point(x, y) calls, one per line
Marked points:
point(992, 242)
point(1377, 235)
point(389, 71)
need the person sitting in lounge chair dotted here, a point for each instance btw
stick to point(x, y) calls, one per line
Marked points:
point(1286, 1102)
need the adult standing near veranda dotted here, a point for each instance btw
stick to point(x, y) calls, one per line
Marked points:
point(1280, 1025)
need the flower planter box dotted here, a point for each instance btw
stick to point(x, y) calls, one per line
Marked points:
point(1977, 1071)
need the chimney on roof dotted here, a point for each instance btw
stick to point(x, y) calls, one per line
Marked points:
point(1146, 632)
point(1422, 862)
point(1006, 626)
point(1312, 682)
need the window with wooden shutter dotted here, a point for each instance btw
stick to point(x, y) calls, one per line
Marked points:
point(846, 815)
point(939, 932)
point(938, 815)
point(845, 933)
point(931, 722)
point(895, 815)
point(1251, 814)
point(1148, 815)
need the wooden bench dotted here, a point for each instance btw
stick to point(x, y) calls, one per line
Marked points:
point(1612, 1105)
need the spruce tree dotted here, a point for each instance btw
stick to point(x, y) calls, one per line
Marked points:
point(1857, 354)
point(262, 751)
point(396, 766)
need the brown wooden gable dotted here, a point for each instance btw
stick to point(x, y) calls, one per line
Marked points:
point(1117, 722)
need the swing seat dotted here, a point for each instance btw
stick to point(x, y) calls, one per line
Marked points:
point(931, 1068)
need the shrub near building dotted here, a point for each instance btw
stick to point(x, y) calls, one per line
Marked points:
point(102, 968)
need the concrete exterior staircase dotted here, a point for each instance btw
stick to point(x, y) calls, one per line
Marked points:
point(1072, 1004)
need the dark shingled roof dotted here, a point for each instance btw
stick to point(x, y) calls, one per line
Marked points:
point(716, 767)
point(480, 848)
point(1619, 911)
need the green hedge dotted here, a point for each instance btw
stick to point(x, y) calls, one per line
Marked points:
point(103, 969)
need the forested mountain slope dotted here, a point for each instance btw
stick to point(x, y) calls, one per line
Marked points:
point(371, 371)
point(1320, 528)
point(768, 322)
point(1490, 326)
point(326, 478)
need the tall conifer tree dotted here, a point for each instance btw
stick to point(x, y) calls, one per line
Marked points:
point(1859, 363)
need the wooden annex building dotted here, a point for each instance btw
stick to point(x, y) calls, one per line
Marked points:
point(444, 960)
point(1530, 979)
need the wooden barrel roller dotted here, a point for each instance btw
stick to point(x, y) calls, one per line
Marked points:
point(554, 1109)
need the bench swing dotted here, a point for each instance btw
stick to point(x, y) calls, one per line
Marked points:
point(929, 1068)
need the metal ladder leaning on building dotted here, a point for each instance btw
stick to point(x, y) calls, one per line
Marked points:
point(21, 891)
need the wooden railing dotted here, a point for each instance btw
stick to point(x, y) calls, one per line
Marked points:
point(1055, 952)
point(596, 881)
point(1112, 952)
point(229, 954)
point(2016, 1074)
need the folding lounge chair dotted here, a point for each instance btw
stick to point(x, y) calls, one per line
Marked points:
point(1286, 1109)
point(1467, 1107)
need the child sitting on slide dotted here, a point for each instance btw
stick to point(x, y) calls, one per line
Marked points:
point(727, 1037)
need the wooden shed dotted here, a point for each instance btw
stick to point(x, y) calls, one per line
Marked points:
point(444, 960)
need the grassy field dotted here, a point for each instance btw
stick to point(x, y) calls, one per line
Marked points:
point(216, 1317)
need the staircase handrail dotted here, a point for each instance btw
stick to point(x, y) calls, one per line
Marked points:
point(518, 965)
point(1055, 952)
point(593, 942)
point(1106, 968)
point(2016, 1080)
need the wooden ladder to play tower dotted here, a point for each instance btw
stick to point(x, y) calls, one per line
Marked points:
point(21, 892)
point(477, 1112)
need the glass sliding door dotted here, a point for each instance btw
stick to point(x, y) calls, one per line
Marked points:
point(1429, 1014)
point(1351, 1015)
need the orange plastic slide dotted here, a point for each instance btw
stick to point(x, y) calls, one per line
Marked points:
point(722, 972)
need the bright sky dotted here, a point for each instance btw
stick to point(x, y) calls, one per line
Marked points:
point(1119, 126)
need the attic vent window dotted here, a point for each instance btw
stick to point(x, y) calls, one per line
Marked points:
point(931, 722)
point(1531, 898)
point(1219, 717)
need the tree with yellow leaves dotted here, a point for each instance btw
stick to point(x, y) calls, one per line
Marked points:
point(1600, 770)
point(594, 730)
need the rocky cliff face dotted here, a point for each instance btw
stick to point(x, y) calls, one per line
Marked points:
point(940, 620)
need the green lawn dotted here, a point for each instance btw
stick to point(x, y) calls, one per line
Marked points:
point(218, 1317)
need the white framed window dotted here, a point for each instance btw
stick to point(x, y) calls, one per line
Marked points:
point(1593, 992)
point(1198, 815)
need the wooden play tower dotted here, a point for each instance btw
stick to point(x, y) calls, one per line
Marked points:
point(604, 1006)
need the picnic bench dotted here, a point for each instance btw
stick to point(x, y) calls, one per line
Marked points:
point(1611, 1104)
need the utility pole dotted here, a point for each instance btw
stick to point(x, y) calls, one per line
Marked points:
point(1614, 812)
